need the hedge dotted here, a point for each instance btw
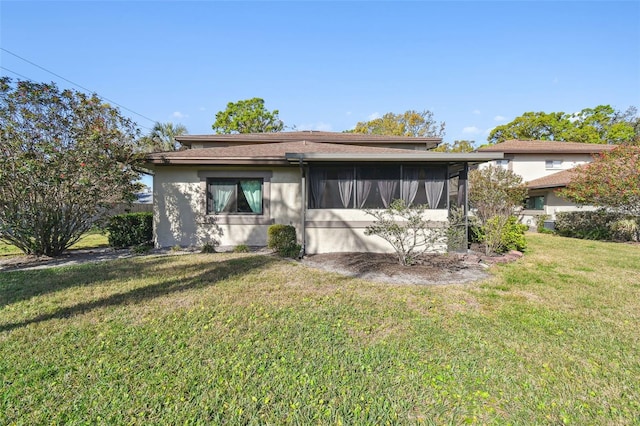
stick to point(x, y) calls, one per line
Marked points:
point(130, 229)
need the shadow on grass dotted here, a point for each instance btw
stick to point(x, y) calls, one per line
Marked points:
point(20, 285)
point(207, 274)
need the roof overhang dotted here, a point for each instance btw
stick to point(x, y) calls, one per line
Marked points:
point(413, 157)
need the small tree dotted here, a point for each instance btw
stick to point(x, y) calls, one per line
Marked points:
point(247, 116)
point(612, 180)
point(65, 158)
point(494, 191)
point(406, 229)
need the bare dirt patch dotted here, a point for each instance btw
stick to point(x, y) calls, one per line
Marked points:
point(430, 269)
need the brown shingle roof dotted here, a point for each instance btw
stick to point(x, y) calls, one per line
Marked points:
point(555, 180)
point(546, 147)
point(311, 136)
point(269, 153)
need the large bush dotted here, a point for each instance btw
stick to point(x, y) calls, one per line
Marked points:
point(598, 225)
point(406, 229)
point(282, 238)
point(501, 234)
point(65, 158)
point(130, 229)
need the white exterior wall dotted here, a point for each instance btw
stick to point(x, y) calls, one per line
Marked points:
point(342, 230)
point(533, 166)
point(180, 209)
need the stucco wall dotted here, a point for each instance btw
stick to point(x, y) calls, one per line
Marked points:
point(342, 230)
point(533, 166)
point(179, 208)
point(180, 219)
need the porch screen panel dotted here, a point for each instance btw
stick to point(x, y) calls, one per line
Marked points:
point(410, 184)
point(383, 186)
point(435, 178)
point(331, 187)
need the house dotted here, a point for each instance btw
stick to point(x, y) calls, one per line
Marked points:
point(231, 188)
point(545, 166)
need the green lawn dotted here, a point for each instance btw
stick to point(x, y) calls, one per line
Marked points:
point(92, 239)
point(248, 339)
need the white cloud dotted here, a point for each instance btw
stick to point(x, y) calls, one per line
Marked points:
point(348, 113)
point(499, 118)
point(374, 116)
point(471, 130)
point(179, 115)
point(476, 112)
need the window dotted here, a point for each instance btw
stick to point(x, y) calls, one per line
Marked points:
point(375, 187)
point(502, 163)
point(553, 164)
point(535, 203)
point(235, 196)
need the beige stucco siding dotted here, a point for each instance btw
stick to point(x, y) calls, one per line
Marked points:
point(180, 209)
point(343, 230)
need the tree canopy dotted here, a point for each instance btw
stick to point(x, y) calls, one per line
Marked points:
point(410, 123)
point(601, 124)
point(247, 116)
point(612, 180)
point(162, 137)
point(64, 158)
point(456, 146)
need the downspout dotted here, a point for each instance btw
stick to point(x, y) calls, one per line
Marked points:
point(303, 197)
point(466, 205)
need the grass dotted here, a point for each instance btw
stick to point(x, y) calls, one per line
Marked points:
point(249, 339)
point(92, 239)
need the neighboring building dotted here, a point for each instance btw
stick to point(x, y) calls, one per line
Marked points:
point(231, 188)
point(545, 166)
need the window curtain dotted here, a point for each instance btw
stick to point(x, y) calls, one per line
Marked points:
point(221, 195)
point(252, 190)
point(387, 188)
point(434, 185)
point(409, 185)
point(345, 186)
point(317, 183)
point(363, 188)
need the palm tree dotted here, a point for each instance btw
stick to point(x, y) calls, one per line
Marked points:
point(162, 137)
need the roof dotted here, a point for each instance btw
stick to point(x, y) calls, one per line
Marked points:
point(286, 152)
point(309, 135)
point(555, 180)
point(546, 147)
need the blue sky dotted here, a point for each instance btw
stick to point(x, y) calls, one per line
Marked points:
point(328, 65)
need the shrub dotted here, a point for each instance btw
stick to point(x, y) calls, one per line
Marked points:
point(208, 248)
point(456, 231)
point(406, 229)
point(589, 225)
point(501, 234)
point(626, 229)
point(282, 238)
point(241, 248)
point(130, 229)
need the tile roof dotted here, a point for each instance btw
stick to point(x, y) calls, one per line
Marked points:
point(555, 180)
point(309, 135)
point(546, 147)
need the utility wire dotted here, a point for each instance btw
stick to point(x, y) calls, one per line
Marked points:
point(75, 84)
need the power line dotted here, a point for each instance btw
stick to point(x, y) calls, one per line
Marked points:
point(75, 84)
